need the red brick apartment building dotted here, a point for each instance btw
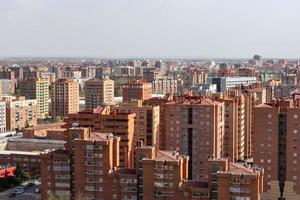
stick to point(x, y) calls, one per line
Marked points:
point(234, 181)
point(102, 120)
point(276, 147)
point(88, 168)
point(138, 90)
point(195, 127)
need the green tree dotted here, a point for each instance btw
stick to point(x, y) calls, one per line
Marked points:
point(20, 173)
point(59, 119)
point(26, 124)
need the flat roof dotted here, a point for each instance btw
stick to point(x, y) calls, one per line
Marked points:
point(31, 153)
point(38, 141)
point(44, 126)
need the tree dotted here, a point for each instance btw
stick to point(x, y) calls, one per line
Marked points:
point(59, 119)
point(20, 174)
point(26, 124)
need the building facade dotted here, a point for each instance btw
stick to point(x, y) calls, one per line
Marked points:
point(36, 89)
point(195, 127)
point(102, 120)
point(64, 97)
point(276, 133)
point(98, 92)
point(147, 120)
point(164, 86)
point(137, 90)
point(20, 113)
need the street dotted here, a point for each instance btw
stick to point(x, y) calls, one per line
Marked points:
point(29, 194)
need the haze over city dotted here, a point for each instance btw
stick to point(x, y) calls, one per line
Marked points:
point(156, 28)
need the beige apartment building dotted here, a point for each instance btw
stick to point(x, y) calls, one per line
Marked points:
point(36, 88)
point(7, 87)
point(164, 86)
point(20, 113)
point(64, 97)
point(98, 92)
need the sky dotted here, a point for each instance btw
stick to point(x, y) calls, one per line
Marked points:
point(150, 28)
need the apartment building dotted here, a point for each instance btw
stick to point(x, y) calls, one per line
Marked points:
point(161, 102)
point(234, 134)
point(64, 97)
point(138, 90)
point(36, 88)
point(195, 127)
point(164, 86)
point(230, 180)
point(70, 173)
point(146, 123)
point(20, 113)
point(88, 169)
point(7, 87)
point(102, 120)
point(98, 92)
point(2, 117)
point(164, 175)
point(276, 133)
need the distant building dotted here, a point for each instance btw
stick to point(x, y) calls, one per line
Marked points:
point(224, 83)
point(7, 87)
point(88, 72)
point(204, 89)
point(2, 117)
point(137, 90)
point(20, 113)
point(150, 73)
point(64, 97)
point(164, 86)
point(98, 92)
point(36, 89)
point(102, 72)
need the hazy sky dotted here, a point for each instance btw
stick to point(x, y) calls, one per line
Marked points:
point(150, 28)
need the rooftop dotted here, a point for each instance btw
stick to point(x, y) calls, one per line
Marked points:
point(45, 126)
point(38, 141)
point(168, 156)
point(31, 153)
point(240, 168)
point(193, 100)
